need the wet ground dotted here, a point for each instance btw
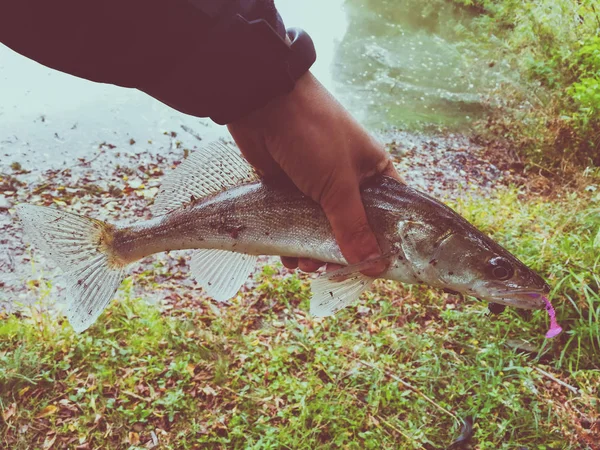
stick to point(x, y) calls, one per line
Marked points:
point(117, 183)
point(102, 150)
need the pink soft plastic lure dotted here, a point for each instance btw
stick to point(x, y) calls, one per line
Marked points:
point(555, 328)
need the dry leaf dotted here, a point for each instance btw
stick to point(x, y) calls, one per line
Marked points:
point(190, 368)
point(47, 411)
point(23, 391)
point(9, 412)
point(134, 438)
point(49, 442)
point(208, 390)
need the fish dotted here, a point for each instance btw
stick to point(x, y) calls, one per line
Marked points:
point(215, 204)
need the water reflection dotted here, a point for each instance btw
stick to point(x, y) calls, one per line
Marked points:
point(401, 63)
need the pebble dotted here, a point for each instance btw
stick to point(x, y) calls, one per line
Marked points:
point(135, 184)
point(4, 203)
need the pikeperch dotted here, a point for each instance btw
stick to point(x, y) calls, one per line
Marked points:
point(214, 203)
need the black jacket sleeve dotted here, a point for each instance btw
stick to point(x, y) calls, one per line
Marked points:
point(208, 58)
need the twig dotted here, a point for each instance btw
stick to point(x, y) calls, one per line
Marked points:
point(396, 429)
point(412, 388)
point(134, 395)
point(192, 132)
point(41, 188)
point(553, 378)
point(85, 163)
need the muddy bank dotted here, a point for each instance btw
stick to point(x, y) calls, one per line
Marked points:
point(448, 165)
point(117, 183)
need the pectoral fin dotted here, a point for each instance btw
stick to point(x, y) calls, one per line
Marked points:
point(335, 290)
point(329, 295)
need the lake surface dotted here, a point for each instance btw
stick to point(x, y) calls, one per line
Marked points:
point(402, 63)
point(392, 63)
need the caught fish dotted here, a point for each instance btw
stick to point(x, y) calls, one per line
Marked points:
point(215, 204)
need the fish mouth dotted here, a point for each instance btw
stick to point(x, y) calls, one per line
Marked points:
point(519, 298)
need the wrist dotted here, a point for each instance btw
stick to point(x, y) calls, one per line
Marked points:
point(265, 77)
point(308, 102)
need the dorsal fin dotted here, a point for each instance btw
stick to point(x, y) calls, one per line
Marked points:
point(208, 170)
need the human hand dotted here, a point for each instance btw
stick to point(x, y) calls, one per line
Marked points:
point(312, 139)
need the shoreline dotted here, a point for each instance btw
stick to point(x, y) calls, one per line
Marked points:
point(117, 183)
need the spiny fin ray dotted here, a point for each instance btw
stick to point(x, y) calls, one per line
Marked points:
point(205, 172)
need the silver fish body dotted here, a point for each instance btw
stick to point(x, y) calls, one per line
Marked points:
point(265, 219)
point(424, 240)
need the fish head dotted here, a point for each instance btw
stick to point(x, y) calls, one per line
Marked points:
point(473, 264)
point(439, 247)
point(457, 257)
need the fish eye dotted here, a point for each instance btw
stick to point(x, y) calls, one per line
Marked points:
point(500, 268)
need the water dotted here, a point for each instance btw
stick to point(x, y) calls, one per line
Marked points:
point(403, 63)
point(392, 63)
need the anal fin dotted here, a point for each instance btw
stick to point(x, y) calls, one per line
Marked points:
point(221, 273)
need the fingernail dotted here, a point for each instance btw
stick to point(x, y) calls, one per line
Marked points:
point(373, 256)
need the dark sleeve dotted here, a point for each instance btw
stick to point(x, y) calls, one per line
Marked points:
point(208, 58)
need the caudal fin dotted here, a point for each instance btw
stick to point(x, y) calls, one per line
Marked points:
point(80, 246)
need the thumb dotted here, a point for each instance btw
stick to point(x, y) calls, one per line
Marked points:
point(346, 214)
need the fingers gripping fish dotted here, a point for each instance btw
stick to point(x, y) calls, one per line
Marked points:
point(215, 204)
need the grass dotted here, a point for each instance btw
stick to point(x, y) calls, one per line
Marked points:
point(549, 110)
point(402, 369)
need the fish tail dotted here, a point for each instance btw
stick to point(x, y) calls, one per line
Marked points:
point(83, 248)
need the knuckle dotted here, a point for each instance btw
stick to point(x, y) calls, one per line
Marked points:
point(360, 234)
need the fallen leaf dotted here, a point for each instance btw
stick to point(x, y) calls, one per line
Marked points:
point(208, 390)
point(9, 412)
point(190, 369)
point(47, 411)
point(49, 442)
point(134, 438)
point(23, 391)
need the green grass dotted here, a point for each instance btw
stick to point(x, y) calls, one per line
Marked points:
point(561, 239)
point(397, 371)
point(549, 111)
